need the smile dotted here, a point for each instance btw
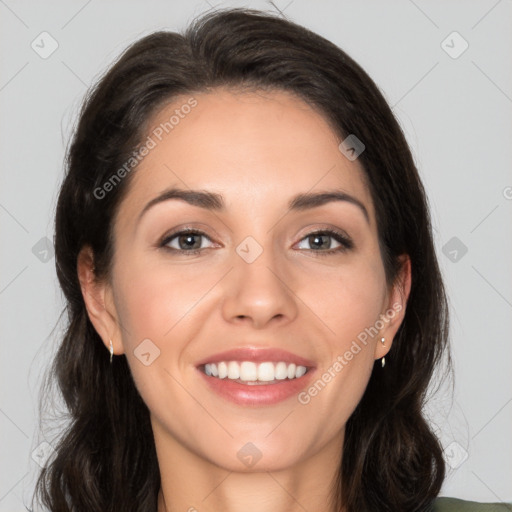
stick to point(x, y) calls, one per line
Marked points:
point(255, 376)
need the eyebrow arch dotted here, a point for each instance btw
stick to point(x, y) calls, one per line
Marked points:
point(314, 199)
point(215, 202)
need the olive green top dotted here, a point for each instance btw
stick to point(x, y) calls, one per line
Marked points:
point(454, 505)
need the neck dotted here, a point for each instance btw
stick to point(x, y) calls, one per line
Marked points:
point(192, 484)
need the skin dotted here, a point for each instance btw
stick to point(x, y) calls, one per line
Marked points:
point(257, 150)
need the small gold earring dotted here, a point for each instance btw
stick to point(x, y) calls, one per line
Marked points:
point(111, 351)
point(383, 360)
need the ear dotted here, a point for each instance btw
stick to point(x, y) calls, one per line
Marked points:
point(99, 303)
point(396, 304)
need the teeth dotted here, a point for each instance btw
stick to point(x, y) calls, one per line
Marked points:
point(300, 371)
point(223, 370)
point(281, 371)
point(251, 372)
point(233, 370)
point(266, 372)
point(248, 371)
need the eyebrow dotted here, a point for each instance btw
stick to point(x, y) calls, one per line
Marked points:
point(215, 202)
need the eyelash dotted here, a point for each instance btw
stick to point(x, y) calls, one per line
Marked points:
point(346, 243)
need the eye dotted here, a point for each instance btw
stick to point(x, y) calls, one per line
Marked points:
point(190, 241)
point(186, 241)
point(321, 242)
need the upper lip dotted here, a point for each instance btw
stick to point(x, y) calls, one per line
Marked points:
point(257, 355)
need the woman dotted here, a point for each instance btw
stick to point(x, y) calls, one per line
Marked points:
point(243, 228)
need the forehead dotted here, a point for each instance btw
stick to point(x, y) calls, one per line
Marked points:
point(257, 149)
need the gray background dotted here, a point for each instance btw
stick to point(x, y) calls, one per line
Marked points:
point(456, 113)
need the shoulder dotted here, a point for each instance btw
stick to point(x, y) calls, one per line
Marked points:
point(454, 505)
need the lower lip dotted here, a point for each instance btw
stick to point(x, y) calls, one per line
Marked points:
point(259, 394)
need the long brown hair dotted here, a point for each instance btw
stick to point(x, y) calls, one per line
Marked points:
point(105, 459)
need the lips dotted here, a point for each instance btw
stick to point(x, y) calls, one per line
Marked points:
point(275, 375)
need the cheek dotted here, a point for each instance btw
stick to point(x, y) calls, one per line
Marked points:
point(153, 299)
point(160, 310)
point(155, 306)
point(347, 302)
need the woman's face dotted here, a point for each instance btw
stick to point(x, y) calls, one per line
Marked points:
point(259, 274)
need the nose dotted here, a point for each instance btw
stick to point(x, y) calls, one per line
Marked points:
point(259, 292)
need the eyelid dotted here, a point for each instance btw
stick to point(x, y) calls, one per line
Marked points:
point(193, 227)
point(313, 229)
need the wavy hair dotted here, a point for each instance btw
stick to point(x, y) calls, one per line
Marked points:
point(105, 458)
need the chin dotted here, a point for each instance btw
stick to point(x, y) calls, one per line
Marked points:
point(259, 453)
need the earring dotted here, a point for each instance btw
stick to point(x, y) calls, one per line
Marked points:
point(383, 360)
point(111, 351)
